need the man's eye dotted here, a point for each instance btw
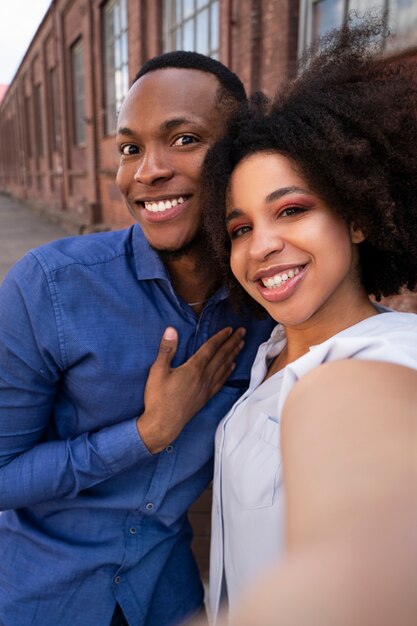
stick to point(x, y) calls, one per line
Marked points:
point(128, 148)
point(184, 140)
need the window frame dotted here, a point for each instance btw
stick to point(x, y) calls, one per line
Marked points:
point(78, 93)
point(175, 22)
point(400, 42)
point(115, 71)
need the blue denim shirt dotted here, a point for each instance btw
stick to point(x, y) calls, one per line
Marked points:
point(91, 517)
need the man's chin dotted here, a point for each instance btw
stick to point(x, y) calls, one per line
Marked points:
point(175, 254)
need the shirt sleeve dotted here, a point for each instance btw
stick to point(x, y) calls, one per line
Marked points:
point(33, 470)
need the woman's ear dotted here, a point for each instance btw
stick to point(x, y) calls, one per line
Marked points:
point(356, 234)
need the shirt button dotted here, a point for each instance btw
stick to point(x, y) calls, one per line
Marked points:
point(117, 579)
point(149, 506)
point(169, 449)
point(132, 530)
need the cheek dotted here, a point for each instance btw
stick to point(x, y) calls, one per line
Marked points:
point(238, 263)
point(121, 179)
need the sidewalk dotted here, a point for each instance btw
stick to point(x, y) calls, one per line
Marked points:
point(20, 230)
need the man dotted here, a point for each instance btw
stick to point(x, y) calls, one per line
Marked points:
point(97, 472)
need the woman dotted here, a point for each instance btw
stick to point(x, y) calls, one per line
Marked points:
point(318, 192)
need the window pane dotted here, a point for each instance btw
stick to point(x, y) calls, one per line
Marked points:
point(403, 16)
point(327, 14)
point(188, 35)
point(196, 27)
point(123, 15)
point(360, 6)
point(39, 120)
point(188, 8)
point(77, 68)
point(116, 59)
point(202, 43)
point(178, 44)
point(214, 26)
point(178, 10)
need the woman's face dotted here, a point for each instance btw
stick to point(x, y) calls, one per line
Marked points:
point(289, 250)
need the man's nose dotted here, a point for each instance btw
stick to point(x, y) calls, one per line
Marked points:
point(153, 167)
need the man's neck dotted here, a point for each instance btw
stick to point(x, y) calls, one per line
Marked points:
point(192, 282)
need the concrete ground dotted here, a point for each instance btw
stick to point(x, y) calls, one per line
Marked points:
point(20, 230)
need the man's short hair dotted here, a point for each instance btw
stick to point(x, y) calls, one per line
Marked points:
point(230, 83)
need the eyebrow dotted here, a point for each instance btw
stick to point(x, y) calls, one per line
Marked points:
point(271, 197)
point(167, 125)
point(176, 121)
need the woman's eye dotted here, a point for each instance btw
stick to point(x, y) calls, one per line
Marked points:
point(184, 140)
point(238, 232)
point(291, 210)
point(128, 149)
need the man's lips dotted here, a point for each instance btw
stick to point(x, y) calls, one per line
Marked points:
point(162, 208)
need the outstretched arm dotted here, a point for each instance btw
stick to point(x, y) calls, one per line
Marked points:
point(350, 466)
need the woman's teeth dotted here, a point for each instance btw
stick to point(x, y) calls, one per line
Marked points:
point(278, 279)
point(163, 205)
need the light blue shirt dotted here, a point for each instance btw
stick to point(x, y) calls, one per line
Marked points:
point(248, 494)
point(91, 517)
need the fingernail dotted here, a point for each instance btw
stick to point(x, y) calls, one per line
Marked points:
point(243, 332)
point(169, 334)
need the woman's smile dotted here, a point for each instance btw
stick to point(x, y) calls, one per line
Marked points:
point(290, 251)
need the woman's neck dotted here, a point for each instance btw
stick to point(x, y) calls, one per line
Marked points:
point(323, 325)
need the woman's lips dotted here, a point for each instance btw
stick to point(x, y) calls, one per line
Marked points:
point(285, 289)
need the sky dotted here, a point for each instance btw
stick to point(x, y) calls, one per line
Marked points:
point(19, 20)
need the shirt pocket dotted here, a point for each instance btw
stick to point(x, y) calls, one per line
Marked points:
point(255, 475)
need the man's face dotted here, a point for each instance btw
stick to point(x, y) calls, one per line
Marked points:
point(167, 123)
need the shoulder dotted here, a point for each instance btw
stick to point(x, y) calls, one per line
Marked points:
point(86, 250)
point(389, 336)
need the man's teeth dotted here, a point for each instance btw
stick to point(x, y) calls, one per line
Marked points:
point(278, 279)
point(163, 205)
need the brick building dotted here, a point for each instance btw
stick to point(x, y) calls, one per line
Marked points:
point(58, 116)
point(57, 119)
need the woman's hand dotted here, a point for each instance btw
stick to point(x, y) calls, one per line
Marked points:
point(174, 395)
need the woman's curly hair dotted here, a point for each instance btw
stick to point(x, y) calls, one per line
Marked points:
point(349, 121)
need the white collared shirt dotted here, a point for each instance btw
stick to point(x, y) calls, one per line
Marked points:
point(248, 503)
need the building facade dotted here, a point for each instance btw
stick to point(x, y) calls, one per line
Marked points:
point(58, 117)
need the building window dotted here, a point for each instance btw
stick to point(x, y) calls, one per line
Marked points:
point(192, 25)
point(55, 120)
point(317, 17)
point(38, 120)
point(28, 126)
point(402, 20)
point(78, 92)
point(116, 60)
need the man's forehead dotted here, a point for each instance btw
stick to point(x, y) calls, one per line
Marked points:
point(170, 94)
point(181, 80)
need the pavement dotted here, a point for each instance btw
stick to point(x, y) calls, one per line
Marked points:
point(20, 230)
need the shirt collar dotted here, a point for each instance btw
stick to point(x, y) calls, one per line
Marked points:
point(149, 266)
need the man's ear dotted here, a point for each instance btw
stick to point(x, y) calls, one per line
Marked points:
point(356, 234)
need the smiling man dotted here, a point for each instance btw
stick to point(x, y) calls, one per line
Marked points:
point(98, 467)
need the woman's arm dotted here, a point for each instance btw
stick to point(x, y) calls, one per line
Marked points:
point(350, 466)
point(349, 442)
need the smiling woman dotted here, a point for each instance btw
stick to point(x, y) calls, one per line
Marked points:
point(310, 205)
